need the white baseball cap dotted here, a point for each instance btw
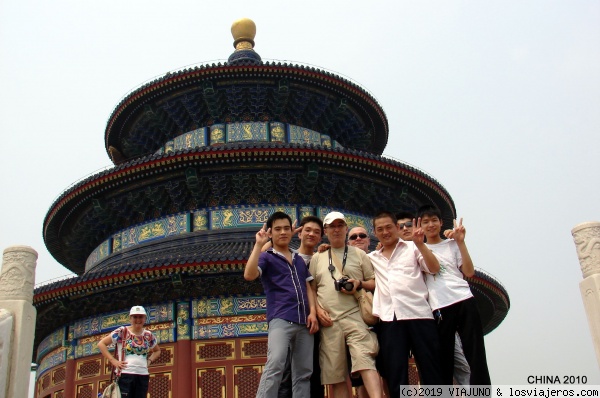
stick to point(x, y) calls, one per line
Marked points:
point(331, 217)
point(137, 310)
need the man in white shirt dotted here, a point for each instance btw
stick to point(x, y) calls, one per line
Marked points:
point(400, 301)
point(451, 298)
point(462, 371)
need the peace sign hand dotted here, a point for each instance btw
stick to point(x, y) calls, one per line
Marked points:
point(262, 236)
point(418, 235)
point(296, 230)
point(457, 233)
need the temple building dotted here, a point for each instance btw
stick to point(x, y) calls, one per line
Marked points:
point(201, 157)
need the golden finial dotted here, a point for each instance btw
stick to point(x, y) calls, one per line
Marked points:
point(243, 31)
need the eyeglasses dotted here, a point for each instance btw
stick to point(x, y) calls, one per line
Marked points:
point(137, 316)
point(335, 226)
point(407, 224)
point(356, 236)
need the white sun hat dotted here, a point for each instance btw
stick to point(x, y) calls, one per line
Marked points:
point(137, 310)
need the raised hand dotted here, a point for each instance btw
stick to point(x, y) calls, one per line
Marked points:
point(262, 236)
point(418, 235)
point(459, 232)
point(294, 229)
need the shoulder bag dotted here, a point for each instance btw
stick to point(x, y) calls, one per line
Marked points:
point(364, 298)
point(365, 303)
point(113, 390)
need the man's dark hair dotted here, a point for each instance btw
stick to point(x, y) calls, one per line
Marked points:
point(404, 214)
point(278, 215)
point(430, 211)
point(385, 214)
point(314, 219)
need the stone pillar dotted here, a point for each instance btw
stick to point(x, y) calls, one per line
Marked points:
point(587, 242)
point(16, 297)
point(6, 335)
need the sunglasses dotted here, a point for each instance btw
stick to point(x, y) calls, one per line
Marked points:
point(356, 236)
point(407, 224)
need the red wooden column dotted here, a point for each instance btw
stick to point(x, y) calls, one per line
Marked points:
point(183, 377)
point(70, 370)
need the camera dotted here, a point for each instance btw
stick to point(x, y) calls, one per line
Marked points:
point(343, 283)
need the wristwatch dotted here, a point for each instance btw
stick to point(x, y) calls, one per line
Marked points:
point(359, 286)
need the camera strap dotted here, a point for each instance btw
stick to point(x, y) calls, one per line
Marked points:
point(332, 268)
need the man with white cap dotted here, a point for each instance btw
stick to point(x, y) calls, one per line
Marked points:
point(338, 273)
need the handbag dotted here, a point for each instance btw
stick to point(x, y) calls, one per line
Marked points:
point(113, 390)
point(365, 303)
point(364, 298)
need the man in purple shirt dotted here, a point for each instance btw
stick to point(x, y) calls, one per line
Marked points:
point(291, 313)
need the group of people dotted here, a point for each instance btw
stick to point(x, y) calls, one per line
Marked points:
point(316, 332)
point(317, 335)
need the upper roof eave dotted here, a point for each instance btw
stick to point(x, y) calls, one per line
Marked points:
point(192, 75)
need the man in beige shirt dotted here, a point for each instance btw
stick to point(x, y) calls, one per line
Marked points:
point(338, 310)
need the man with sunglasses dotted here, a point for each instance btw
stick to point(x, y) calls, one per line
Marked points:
point(405, 224)
point(358, 237)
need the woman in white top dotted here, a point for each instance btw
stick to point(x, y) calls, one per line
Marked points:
point(136, 349)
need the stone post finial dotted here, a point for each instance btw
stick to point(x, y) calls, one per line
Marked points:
point(17, 277)
point(587, 242)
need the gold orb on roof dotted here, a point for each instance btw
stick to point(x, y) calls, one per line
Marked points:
point(243, 31)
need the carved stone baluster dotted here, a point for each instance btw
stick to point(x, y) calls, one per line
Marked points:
point(587, 242)
point(17, 319)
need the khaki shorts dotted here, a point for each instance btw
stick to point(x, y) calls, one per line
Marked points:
point(351, 331)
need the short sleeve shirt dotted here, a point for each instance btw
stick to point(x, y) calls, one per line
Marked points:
point(285, 286)
point(448, 286)
point(137, 348)
point(358, 266)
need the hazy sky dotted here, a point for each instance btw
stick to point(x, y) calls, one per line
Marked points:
point(497, 100)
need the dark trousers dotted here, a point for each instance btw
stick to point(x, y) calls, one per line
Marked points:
point(317, 390)
point(463, 317)
point(133, 386)
point(396, 339)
